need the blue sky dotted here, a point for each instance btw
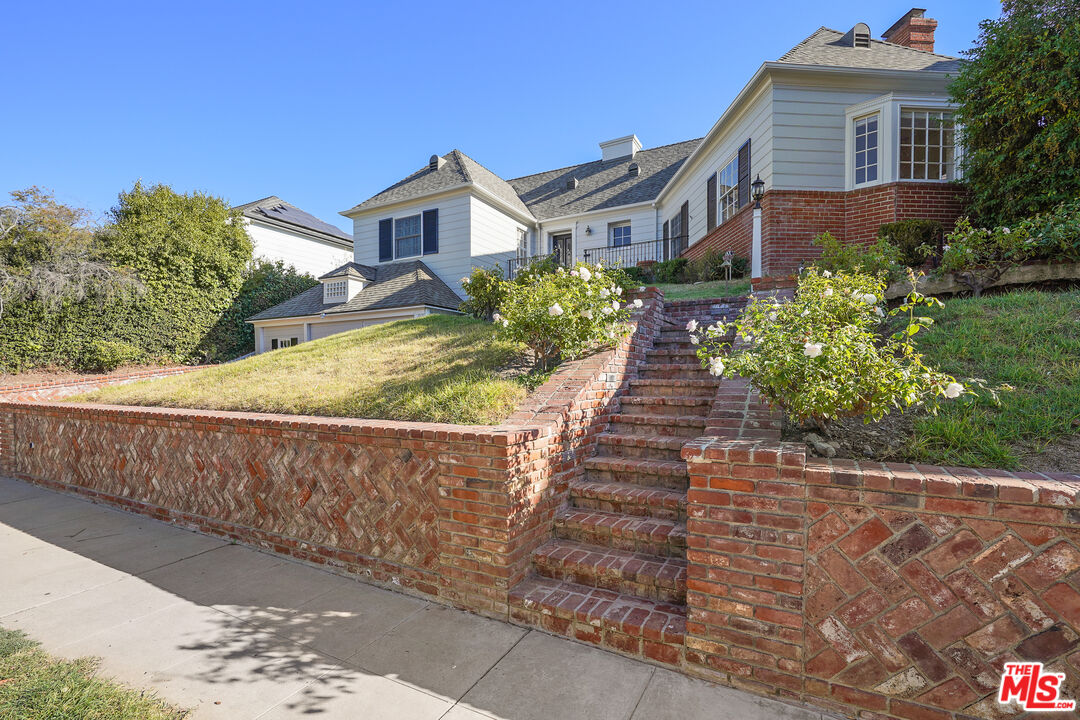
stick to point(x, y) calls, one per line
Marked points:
point(325, 104)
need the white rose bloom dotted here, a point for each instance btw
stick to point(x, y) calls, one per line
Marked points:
point(574, 273)
point(555, 309)
point(694, 340)
point(464, 281)
point(614, 304)
point(506, 323)
point(1006, 230)
point(584, 274)
point(879, 311)
point(691, 326)
point(716, 366)
point(945, 248)
point(618, 291)
point(604, 292)
point(606, 310)
point(586, 314)
point(638, 303)
point(805, 313)
point(811, 350)
point(953, 390)
point(560, 271)
point(496, 317)
point(828, 292)
point(869, 298)
point(826, 273)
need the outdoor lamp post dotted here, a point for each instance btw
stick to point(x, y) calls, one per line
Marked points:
point(757, 192)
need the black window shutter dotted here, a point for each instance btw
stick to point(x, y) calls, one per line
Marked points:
point(431, 231)
point(744, 174)
point(684, 219)
point(710, 202)
point(386, 240)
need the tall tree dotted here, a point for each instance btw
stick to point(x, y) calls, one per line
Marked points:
point(1019, 108)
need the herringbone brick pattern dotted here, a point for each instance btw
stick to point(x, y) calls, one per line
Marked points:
point(926, 608)
point(377, 499)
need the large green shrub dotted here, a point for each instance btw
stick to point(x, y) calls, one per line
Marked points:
point(485, 291)
point(670, 271)
point(819, 356)
point(1016, 98)
point(880, 259)
point(107, 355)
point(266, 283)
point(565, 314)
point(914, 240)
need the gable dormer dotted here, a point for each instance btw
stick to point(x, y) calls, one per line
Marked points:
point(344, 283)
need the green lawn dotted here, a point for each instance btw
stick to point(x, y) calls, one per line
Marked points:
point(1027, 339)
point(439, 368)
point(715, 288)
point(35, 686)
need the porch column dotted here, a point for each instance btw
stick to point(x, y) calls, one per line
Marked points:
point(755, 254)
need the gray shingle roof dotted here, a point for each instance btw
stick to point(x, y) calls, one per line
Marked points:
point(824, 47)
point(352, 269)
point(458, 170)
point(276, 210)
point(395, 285)
point(602, 184)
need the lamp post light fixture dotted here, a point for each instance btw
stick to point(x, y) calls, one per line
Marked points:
point(757, 191)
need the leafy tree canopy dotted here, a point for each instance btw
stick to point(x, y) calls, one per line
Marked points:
point(1019, 106)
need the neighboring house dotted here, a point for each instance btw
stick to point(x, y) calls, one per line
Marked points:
point(282, 231)
point(845, 131)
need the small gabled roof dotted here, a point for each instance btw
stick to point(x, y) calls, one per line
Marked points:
point(826, 47)
point(276, 211)
point(602, 184)
point(458, 170)
point(351, 269)
point(400, 284)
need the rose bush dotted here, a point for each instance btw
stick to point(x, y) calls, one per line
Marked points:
point(485, 291)
point(819, 356)
point(565, 313)
point(977, 256)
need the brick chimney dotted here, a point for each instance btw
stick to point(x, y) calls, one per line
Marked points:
point(913, 30)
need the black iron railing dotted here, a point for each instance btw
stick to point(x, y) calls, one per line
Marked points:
point(516, 265)
point(635, 253)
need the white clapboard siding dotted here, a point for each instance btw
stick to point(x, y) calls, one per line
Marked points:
point(451, 263)
point(306, 254)
point(753, 122)
point(282, 332)
point(494, 239)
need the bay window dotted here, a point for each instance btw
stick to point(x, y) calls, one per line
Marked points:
point(866, 149)
point(927, 150)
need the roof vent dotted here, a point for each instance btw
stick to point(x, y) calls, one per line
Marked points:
point(634, 170)
point(436, 162)
point(572, 183)
point(860, 35)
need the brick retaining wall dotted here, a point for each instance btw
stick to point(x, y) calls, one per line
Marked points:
point(897, 591)
point(449, 512)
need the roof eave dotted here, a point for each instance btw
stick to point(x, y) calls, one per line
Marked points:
point(358, 211)
point(303, 229)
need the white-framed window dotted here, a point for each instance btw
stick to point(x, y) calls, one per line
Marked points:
point(275, 343)
point(522, 243)
point(727, 190)
point(619, 234)
point(407, 237)
point(866, 148)
point(927, 145)
point(335, 290)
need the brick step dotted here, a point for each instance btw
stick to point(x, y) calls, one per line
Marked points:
point(672, 354)
point(668, 473)
point(652, 577)
point(665, 405)
point(623, 532)
point(652, 447)
point(642, 629)
point(629, 498)
point(687, 370)
point(675, 387)
point(685, 426)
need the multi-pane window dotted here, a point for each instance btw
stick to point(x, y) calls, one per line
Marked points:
point(727, 190)
point(866, 149)
point(335, 290)
point(407, 236)
point(620, 235)
point(522, 243)
point(927, 150)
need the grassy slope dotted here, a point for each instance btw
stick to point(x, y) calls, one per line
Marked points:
point(440, 368)
point(1027, 339)
point(35, 686)
point(716, 288)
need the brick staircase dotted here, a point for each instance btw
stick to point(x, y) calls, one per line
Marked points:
point(614, 573)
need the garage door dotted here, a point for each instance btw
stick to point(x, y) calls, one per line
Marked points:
point(321, 330)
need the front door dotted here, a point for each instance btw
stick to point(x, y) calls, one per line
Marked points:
point(561, 249)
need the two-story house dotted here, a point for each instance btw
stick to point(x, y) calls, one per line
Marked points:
point(282, 231)
point(846, 133)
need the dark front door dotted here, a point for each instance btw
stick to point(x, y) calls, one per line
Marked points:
point(560, 248)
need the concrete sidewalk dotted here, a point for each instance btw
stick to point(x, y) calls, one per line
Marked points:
point(236, 633)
